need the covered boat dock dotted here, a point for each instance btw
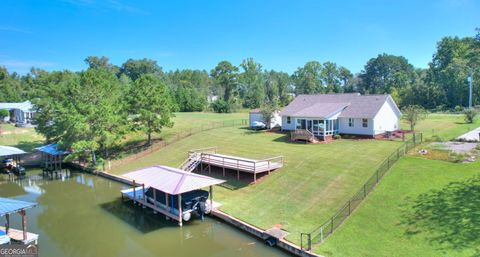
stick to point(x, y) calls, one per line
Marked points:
point(209, 157)
point(10, 206)
point(12, 154)
point(52, 157)
point(161, 189)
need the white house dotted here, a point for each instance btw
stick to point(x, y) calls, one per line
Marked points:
point(325, 115)
point(20, 113)
point(256, 115)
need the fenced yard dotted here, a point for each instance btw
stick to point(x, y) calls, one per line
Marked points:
point(308, 240)
point(316, 179)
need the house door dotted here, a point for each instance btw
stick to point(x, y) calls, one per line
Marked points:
point(310, 125)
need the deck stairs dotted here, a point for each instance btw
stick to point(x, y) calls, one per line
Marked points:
point(304, 135)
point(192, 162)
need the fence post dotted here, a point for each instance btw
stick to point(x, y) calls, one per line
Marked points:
point(331, 227)
point(349, 206)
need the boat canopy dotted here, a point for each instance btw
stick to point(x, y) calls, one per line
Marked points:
point(52, 149)
point(10, 150)
point(171, 180)
point(8, 206)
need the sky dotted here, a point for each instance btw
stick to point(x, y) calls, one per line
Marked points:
point(281, 35)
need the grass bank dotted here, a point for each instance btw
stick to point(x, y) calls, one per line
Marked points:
point(443, 127)
point(421, 208)
point(315, 181)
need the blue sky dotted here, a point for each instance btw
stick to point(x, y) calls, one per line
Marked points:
point(281, 35)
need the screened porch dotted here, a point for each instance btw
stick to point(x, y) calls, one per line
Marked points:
point(319, 127)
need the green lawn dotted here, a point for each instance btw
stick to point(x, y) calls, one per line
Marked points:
point(24, 138)
point(443, 127)
point(27, 138)
point(315, 181)
point(184, 123)
point(421, 208)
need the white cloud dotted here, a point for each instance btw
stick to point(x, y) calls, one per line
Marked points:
point(107, 4)
point(24, 66)
point(14, 29)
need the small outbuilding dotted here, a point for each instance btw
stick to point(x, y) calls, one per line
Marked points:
point(256, 116)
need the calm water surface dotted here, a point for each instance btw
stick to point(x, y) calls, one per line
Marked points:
point(83, 216)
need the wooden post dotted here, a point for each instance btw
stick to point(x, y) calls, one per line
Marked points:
point(211, 197)
point(24, 225)
point(180, 210)
point(209, 168)
point(143, 194)
point(166, 203)
point(7, 226)
point(223, 166)
point(134, 193)
point(254, 177)
point(154, 200)
point(238, 171)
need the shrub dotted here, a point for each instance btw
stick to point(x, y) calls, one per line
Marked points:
point(470, 114)
point(4, 113)
point(220, 106)
point(458, 109)
point(337, 137)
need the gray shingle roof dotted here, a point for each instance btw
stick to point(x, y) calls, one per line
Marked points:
point(325, 105)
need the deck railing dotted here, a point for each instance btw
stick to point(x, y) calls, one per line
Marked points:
point(237, 163)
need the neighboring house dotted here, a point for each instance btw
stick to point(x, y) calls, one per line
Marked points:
point(212, 98)
point(20, 113)
point(325, 115)
point(256, 115)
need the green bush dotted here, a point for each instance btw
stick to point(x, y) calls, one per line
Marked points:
point(4, 113)
point(337, 137)
point(220, 106)
point(470, 114)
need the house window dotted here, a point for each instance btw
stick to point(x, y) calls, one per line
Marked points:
point(350, 122)
point(365, 123)
point(289, 120)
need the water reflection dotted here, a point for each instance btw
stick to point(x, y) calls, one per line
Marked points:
point(82, 215)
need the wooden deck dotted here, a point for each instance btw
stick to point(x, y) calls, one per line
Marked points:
point(17, 236)
point(210, 157)
point(242, 164)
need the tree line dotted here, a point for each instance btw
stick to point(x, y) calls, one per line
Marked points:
point(93, 108)
point(227, 87)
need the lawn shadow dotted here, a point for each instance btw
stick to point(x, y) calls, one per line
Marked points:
point(29, 146)
point(144, 220)
point(230, 177)
point(449, 217)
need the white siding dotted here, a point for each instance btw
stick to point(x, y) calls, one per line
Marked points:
point(286, 126)
point(357, 128)
point(387, 119)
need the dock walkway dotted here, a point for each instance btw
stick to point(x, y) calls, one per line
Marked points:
point(17, 236)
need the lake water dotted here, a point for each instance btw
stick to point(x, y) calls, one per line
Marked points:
point(83, 216)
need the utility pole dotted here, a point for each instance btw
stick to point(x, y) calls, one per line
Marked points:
point(470, 82)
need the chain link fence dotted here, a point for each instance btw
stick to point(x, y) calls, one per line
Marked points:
point(328, 227)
